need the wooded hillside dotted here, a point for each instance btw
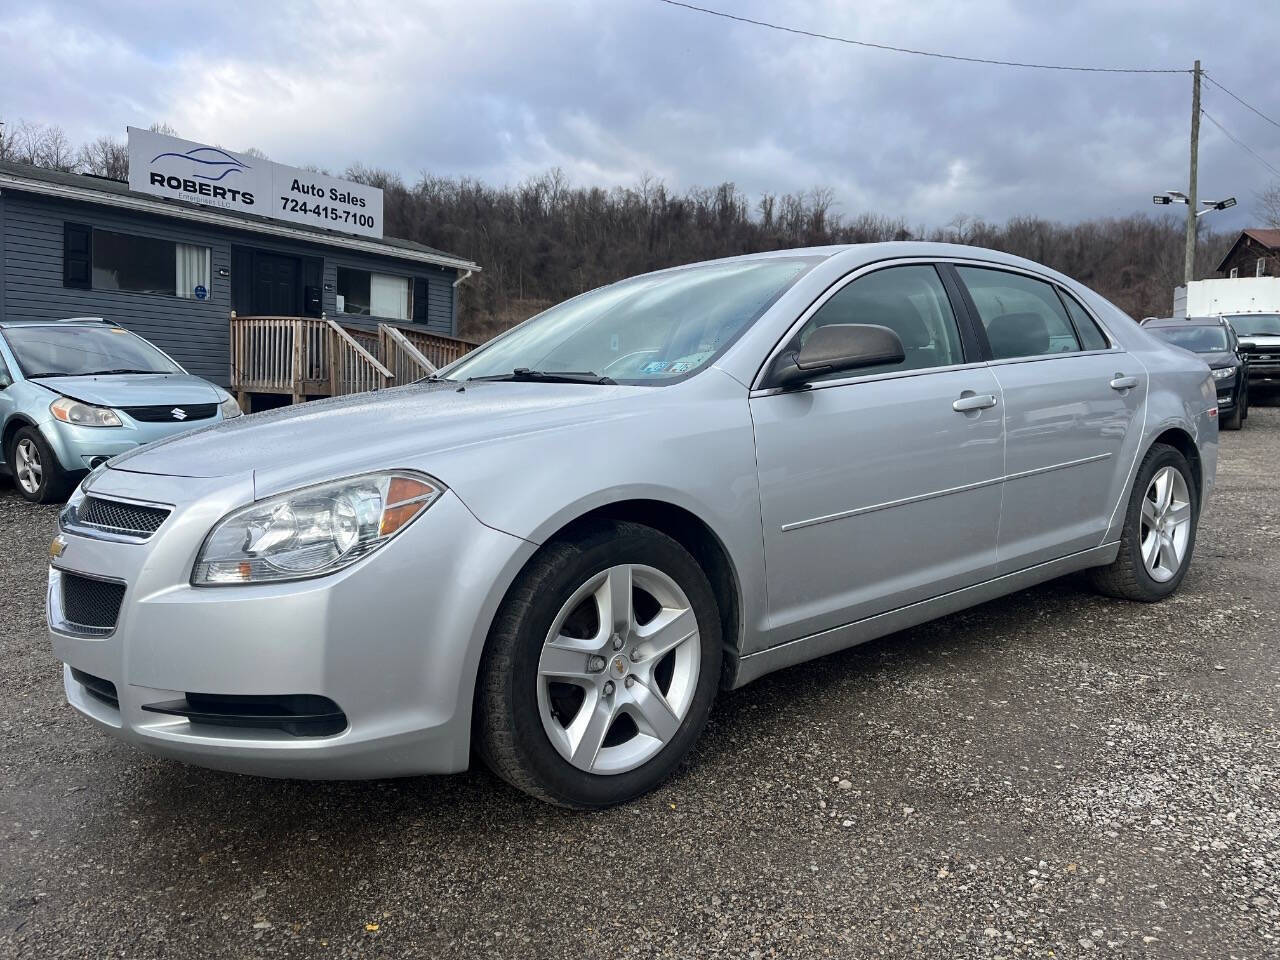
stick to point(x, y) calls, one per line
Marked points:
point(545, 239)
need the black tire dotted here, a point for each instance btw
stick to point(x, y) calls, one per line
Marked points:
point(55, 483)
point(1236, 418)
point(1126, 578)
point(509, 735)
point(1244, 403)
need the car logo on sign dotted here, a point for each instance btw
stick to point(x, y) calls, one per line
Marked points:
point(178, 413)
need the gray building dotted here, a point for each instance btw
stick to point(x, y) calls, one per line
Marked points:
point(173, 272)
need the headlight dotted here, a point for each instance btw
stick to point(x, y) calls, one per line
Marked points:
point(312, 531)
point(229, 408)
point(1223, 373)
point(83, 414)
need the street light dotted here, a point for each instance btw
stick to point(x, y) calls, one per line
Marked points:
point(1177, 196)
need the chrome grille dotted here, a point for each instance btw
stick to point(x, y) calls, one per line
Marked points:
point(116, 516)
point(90, 607)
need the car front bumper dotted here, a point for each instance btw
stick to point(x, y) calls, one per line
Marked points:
point(394, 640)
point(82, 448)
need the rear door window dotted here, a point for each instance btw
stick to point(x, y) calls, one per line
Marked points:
point(1091, 336)
point(1023, 316)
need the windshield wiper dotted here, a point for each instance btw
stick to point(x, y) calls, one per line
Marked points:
point(50, 373)
point(525, 375)
point(105, 373)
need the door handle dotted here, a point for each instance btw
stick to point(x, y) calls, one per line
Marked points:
point(974, 402)
point(1122, 382)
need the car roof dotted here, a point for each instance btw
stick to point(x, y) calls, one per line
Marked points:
point(77, 321)
point(1185, 322)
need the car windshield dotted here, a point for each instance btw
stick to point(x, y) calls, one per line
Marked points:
point(644, 331)
point(79, 350)
point(1197, 339)
point(1256, 324)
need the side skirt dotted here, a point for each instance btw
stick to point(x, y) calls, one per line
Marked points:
point(756, 665)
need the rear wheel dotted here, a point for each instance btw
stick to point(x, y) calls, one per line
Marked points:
point(600, 668)
point(1159, 533)
point(36, 471)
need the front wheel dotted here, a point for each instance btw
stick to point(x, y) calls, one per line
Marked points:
point(36, 471)
point(1235, 420)
point(601, 667)
point(1159, 532)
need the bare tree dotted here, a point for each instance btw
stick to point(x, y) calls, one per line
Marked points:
point(105, 158)
point(1269, 203)
point(161, 127)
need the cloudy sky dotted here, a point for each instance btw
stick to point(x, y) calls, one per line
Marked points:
point(611, 90)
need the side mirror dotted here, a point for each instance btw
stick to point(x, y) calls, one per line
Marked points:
point(1247, 344)
point(5, 379)
point(835, 348)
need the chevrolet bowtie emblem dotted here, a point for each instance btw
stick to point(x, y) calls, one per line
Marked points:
point(178, 413)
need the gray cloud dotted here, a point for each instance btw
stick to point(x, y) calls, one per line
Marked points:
point(616, 89)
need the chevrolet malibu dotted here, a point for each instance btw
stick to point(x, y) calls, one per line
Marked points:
point(555, 551)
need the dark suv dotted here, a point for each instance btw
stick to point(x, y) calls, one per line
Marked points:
point(1215, 340)
point(1259, 335)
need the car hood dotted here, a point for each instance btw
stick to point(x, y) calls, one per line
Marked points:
point(133, 389)
point(398, 427)
point(1221, 358)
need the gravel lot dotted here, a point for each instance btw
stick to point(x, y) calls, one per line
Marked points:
point(1052, 774)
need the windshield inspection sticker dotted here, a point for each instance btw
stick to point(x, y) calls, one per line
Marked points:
point(654, 366)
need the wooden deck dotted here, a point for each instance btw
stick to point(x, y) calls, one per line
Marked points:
point(308, 357)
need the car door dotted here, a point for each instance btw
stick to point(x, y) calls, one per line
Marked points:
point(1073, 407)
point(881, 488)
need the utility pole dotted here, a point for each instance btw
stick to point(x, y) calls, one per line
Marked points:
point(1190, 265)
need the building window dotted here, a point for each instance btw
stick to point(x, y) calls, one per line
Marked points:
point(123, 261)
point(1235, 272)
point(365, 294)
point(1260, 269)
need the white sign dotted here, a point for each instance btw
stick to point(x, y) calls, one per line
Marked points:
point(177, 169)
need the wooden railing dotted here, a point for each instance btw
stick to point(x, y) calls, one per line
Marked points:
point(303, 357)
point(287, 355)
point(441, 351)
point(406, 362)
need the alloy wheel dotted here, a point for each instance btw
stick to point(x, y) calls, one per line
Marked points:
point(27, 466)
point(1166, 524)
point(618, 669)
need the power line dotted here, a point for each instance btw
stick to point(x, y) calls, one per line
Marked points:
point(1239, 100)
point(918, 53)
point(1238, 143)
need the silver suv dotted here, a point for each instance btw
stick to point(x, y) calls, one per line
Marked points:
point(558, 549)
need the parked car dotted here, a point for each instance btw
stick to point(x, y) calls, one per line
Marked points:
point(559, 569)
point(1259, 335)
point(1214, 340)
point(74, 393)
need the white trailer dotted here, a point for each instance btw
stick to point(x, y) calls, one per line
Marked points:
point(1221, 298)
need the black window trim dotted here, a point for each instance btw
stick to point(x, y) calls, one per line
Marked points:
point(972, 346)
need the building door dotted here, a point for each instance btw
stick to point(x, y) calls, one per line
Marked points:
point(276, 287)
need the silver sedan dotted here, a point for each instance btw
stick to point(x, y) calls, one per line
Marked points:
point(558, 549)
